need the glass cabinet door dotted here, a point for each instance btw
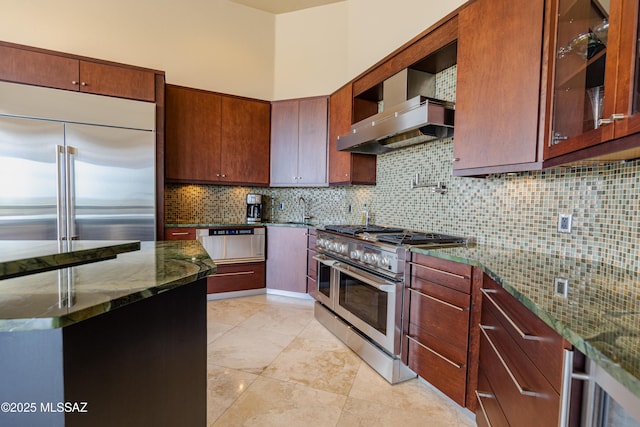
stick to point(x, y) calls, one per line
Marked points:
point(580, 80)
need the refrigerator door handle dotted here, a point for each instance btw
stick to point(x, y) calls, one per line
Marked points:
point(70, 158)
point(61, 202)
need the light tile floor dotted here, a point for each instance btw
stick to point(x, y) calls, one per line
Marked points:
point(270, 363)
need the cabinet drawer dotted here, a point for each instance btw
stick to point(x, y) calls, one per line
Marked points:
point(443, 373)
point(543, 346)
point(439, 318)
point(237, 277)
point(456, 354)
point(489, 413)
point(525, 396)
point(180, 233)
point(454, 275)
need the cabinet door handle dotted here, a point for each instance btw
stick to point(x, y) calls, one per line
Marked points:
point(439, 271)
point(84, 84)
point(182, 233)
point(479, 397)
point(521, 389)
point(438, 300)
point(611, 119)
point(446, 359)
point(237, 273)
point(74, 82)
point(523, 335)
point(455, 159)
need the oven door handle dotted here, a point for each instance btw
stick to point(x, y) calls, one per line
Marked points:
point(325, 260)
point(383, 286)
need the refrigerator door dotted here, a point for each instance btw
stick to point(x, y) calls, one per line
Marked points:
point(112, 182)
point(31, 178)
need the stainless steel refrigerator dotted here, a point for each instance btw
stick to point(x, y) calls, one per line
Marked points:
point(75, 166)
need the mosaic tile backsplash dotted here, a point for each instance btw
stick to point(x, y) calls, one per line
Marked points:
point(510, 211)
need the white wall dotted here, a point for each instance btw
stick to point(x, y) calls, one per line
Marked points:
point(210, 44)
point(223, 46)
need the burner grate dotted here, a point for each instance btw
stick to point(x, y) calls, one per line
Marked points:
point(412, 238)
point(354, 230)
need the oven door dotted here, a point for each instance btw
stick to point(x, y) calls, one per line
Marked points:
point(325, 281)
point(368, 302)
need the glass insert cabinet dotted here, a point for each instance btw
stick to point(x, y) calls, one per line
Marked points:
point(596, 91)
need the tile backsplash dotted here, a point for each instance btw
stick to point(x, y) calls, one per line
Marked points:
point(515, 211)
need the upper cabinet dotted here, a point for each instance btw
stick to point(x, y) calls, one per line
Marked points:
point(548, 83)
point(43, 68)
point(299, 142)
point(214, 138)
point(346, 168)
point(498, 86)
point(595, 85)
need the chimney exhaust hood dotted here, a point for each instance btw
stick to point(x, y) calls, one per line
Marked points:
point(407, 122)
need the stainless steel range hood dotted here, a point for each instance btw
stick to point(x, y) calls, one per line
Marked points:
point(415, 121)
point(414, 117)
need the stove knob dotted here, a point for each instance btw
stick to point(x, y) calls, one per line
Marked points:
point(331, 246)
point(320, 243)
point(384, 262)
point(375, 259)
point(355, 254)
point(367, 258)
point(344, 248)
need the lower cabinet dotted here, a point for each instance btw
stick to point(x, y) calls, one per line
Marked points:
point(237, 277)
point(312, 264)
point(287, 258)
point(437, 326)
point(520, 373)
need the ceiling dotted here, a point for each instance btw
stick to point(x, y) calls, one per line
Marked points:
point(284, 6)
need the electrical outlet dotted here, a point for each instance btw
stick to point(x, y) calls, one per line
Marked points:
point(564, 223)
point(281, 206)
point(561, 287)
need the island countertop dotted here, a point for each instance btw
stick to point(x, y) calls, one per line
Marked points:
point(61, 297)
point(593, 305)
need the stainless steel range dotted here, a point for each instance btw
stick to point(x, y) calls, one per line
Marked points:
point(360, 280)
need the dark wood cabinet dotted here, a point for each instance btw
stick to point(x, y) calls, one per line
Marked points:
point(531, 95)
point(520, 365)
point(214, 138)
point(180, 233)
point(346, 168)
point(44, 68)
point(312, 264)
point(437, 324)
point(299, 142)
point(287, 259)
point(237, 277)
point(498, 93)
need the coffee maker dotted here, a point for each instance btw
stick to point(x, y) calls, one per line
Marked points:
point(254, 208)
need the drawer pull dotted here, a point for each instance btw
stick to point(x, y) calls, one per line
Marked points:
point(182, 233)
point(449, 361)
point(523, 335)
point(506, 367)
point(439, 271)
point(438, 300)
point(237, 273)
point(484, 411)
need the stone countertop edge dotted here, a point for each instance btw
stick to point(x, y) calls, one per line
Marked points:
point(50, 260)
point(184, 263)
point(628, 379)
point(257, 224)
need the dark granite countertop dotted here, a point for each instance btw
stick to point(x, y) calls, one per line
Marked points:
point(24, 257)
point(256, 224)
point(600, 314)
point(61, 297)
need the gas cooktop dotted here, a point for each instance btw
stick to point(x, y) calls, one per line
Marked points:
point(396, 236)
point(354, 230)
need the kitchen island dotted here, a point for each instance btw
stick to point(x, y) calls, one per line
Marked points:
point(120, 341)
